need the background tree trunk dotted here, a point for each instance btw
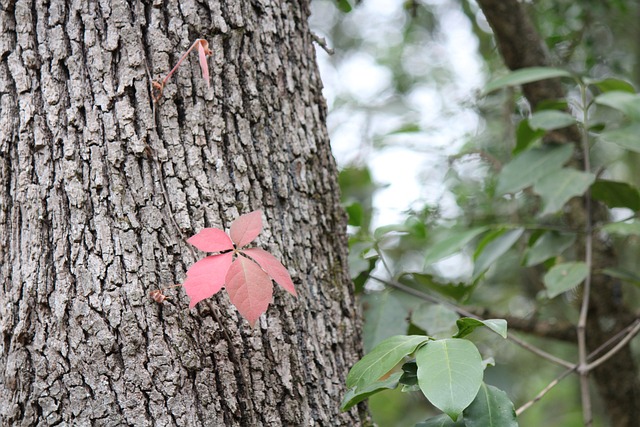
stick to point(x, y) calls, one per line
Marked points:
point(87, 230)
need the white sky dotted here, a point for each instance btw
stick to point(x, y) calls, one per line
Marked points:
point(411, 176)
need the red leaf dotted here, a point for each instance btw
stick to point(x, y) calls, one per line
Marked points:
point(273, 267)
point(203, 51)
point(246, 228)
point(211, 240)
point(206, 277)
point(249, 288)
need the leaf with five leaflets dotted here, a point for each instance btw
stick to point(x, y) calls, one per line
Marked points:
point(247, 278)
point(246, 228)
point(273, 267)
point(249, 288)
point(206, 277)
point(211, 240)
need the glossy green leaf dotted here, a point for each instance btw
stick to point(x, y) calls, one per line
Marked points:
point(453, 241)
point(436, 319)
point(344, 6)
point(559, 187)
point(623, 228)
point(385, 316)
point(626, 137)
point(409, 374)
point(611, 84)
point(524, 76)
point(494, 250)
point(628, 103)
point(356, 395)
point(457, 291)
point(466, 325)
point(549, 245)
point(551, 119)
point(449, 374)
point(622, 274)
point(525, 136)
point(563, 277)
point(441, 421)
point(491, 408)
point(355, 213)
point(616, 194)
point(382, 359)
point(531, 165)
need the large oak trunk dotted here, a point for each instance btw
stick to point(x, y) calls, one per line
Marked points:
point(100, 188)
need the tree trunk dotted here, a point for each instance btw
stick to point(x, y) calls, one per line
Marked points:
point(617, 380)
point(101, 186)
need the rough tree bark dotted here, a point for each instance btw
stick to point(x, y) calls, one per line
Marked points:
point(618, 380)
point(99, 190)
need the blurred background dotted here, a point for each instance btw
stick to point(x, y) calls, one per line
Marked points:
point(419, 146)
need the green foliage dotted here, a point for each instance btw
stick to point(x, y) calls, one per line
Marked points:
point(524, 76)
point(490, 408)
point(564, 277)
point(531, 165)
point(449, 374)
point(509, 246)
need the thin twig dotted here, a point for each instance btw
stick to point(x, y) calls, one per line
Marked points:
point(430, 298)
point(629, 332)
point(585, 395)
point(634, 329)
point(545, 390)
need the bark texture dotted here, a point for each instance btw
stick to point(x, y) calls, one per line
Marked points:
point(618, 380)
point(87, 228)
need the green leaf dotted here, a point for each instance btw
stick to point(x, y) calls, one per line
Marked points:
point(494, 250)
point(622, 274)
point(344, 6)
point(531, 165)
point(559, 187)
point(616, 194)
point(385, 316)
point(449, 374)
point(549, 245)
point(454, 241)
point(551, 119)
point(563, 277)
point(525, 136)
point(355, 213)
point(436, 319)
point(382, 359)
point(623, 228)
point(611, 84)
point(491, 408)
point(466, 325)
point(409, 374)
point(524, 76)
point(441, 420)
point(356, 395)
point(457, 291)
point(628, 103)
point(625, 137)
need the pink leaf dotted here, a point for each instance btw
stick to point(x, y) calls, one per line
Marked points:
point(203, 51)
point(246, 228)
point(206, 277)
point(211, 240)
point(249, 288)
point(273, 267)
